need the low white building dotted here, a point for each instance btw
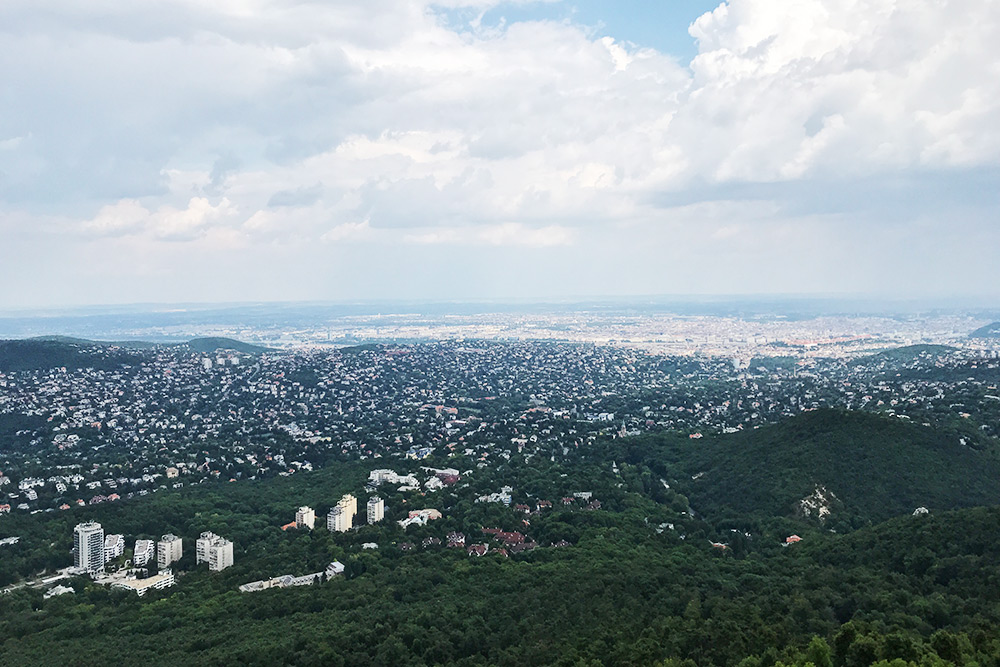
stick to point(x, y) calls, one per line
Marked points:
point(114, 546)
point(143, 552)
point(140, 587)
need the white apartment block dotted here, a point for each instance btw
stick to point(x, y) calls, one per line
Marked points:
point(114, 546)
point(338, 520)
point(305, 517)
point(168, 550)
point(143, 552)
point(88, 547)
point(220, 555)
point(214, 550)
point(350, 504)
point(376, 509)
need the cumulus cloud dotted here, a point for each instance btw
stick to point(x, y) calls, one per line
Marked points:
point(128, 217)
point(395, 123)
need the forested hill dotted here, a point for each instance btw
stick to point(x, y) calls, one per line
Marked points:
point(30, 355)
point(72, 353)
point(867, 468)
point(907, 354)
point(214, 344)
point(991, 330)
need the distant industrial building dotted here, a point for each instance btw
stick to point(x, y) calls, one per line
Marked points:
point(214, 550)
point(88, 547)
point(376, 509)
point(305, 517)
point(168, 550)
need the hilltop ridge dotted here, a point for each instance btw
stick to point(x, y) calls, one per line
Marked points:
point(859, 467)
point(64, 351)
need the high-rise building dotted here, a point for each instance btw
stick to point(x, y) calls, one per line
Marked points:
point(376, 509)
point(338, 520)
point(143, 553)
point(168, 550)
point(214, 550)
point(220, 555)
point(201, 546)
point(305, 517)
point(88, 547)
point(350, 504)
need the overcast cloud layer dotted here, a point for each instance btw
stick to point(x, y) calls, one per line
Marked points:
point(173, 150)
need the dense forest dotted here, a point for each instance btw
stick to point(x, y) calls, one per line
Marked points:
point(663, 572)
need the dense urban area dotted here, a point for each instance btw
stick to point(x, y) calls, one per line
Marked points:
point(220, 468)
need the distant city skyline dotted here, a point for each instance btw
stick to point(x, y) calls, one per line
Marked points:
point(477, 150)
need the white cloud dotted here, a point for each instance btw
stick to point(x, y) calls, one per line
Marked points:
point(348, 231)
point(284, 124)
point(507, 234)
point(127, 217)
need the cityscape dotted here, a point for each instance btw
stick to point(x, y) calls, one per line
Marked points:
point(500, 333)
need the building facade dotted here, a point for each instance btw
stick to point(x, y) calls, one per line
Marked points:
point(376, 509)
point(214, 550)
point(350, 505)
point(305, 517)
point(114, 546)
point(143, 552)
point(168, 550)
point(338, 520)
point(88, 547)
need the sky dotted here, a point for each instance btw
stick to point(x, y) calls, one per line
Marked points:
point(165, 151)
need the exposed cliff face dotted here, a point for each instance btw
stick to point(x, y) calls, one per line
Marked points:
point(817, 505)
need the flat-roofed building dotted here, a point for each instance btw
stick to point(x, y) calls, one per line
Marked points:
point(114, 546)
point(214, 550)
point(143, 552)
point(88, 547)
point(305, 517)
point(349, 503)
point(142, 586)
point(338, 520)
point(376, 509)
point(168, 550)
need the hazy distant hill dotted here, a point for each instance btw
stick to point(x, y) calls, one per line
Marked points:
point(868, 467)
point(215, 344)
point(83, 342)
point(62, 351)
point(29, 355)
point(905, 354)
point(991, 330)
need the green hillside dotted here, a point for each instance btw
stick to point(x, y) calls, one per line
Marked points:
point(902, 355)
point(213, 344)
point(30, 355)
point(83, 342)
point(62, 351)
point(915, 588)
point(875, 467)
